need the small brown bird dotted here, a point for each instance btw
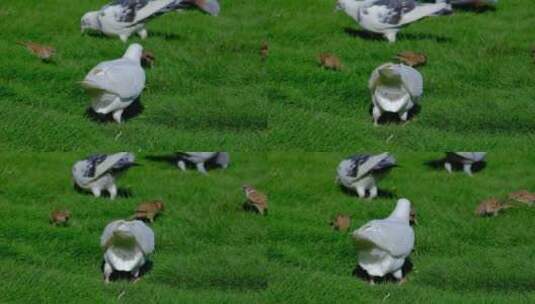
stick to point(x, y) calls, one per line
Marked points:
point(412, 59)
point(147, 59)
point(523, 196)
point(491, 206)
point(264, 51)
point(256, 200)
point(341, 222)
point(149, 210)
point(412, 217)
point(330, 61)
point(44, 52)
point(60, 217)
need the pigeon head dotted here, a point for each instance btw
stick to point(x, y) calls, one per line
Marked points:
point(134, 52)
point(89, 22)
point(402, 211)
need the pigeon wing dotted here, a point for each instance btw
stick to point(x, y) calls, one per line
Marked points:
point(108, 233)
point(412, 80)
point(114, 162)
point(395, 237)
point(150, 9)
point(121, 77)
point(420, 11)
point(144, 236)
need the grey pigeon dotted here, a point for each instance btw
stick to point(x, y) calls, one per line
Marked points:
point(466, 159)
point(387, 17)
point(126, 17)
point(199, 159)
point(126, 245)
point(114, 85)
point(384, 245)
point(99, 172)
point(360, 172)
point(395, 88)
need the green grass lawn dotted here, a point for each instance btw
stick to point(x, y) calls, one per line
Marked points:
point(210, 89)
point(208, 250)
point(205, 90)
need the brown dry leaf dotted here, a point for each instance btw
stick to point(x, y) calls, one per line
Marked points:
point(412, 59)
point(147, 59)
point(60, 217)
point(255, 199)
point(341, 222)
point(149, 210)
point(523, 196)
point(44, 52)
point(330, 61)
point(264, 51)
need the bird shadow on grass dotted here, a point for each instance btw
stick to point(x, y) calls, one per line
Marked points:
point(172, 160)
point(381, 193)
point(476, 9)
point(121, 192)
point(124, 275)
point(438, 164)
point(362, 274)
point(166, 36)
point(388, 117)
point(408, 36)
point(135, 109)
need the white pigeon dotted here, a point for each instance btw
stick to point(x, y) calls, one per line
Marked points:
point(123, 17)
point(126, 245)
point(395, 88)
point(466, 159)
point(99, 172)
point(199, 159)
point(126, 17)
point(360, 172)
point(387, 17)
point(383, 245)
point(114, 85)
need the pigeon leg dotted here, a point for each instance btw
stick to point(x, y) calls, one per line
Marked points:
point(136, 275)
point(107, 272)
point(404, 116)
point(124, 38)
point(468, 169)
point(398, 274)
point(376, 115)
point(390, 36)
point(448, 167)
point(200, 168)
point(117, 115)
point(182, 165)
point(374, 192)
point(143, 34)
point(361, 191)
point(371, 281)
point(96, 191)
point(113, 191)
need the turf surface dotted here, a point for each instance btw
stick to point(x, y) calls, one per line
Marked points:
point(208, 250)
point(209, 87)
